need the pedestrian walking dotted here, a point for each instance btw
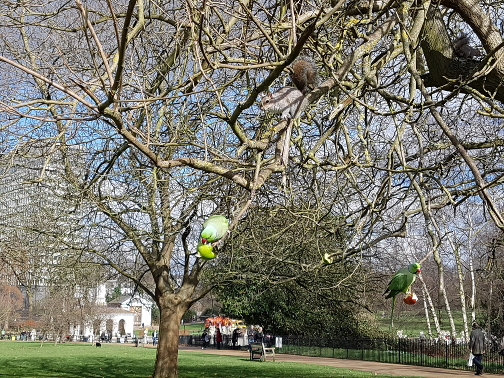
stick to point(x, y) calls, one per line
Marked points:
point(205, 338)
point(477, 347)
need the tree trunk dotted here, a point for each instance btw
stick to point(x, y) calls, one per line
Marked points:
point(426, 309)
point(29, 296)
point(473, 286)
point(172, 308)
point(460, 275)
point(431, 305)
point(489, 316)
point(442, 289)
point(445, 69)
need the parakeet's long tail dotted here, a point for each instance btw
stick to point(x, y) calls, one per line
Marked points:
point(392, 312)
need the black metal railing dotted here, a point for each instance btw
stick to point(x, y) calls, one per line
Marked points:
point(441, 353)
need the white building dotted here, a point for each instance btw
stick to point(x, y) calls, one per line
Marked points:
point(109, 324)
point(117, 319)
point(140, 307)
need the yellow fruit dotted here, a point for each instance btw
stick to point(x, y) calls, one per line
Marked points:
point(206, 251)
point(327, 259)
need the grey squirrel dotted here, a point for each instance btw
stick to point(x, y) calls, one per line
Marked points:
point(286, 100)
point(462, 48)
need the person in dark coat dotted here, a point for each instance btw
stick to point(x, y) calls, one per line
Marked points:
point(234, 338)
point(205, 338)
point(477, 347)
point(219, 338)
point(258, 335)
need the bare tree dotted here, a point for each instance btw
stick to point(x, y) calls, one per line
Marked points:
point(428, 304)
point(12, 301)
point(462, 296)
point(161, 98)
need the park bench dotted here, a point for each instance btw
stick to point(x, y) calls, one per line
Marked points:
point(258, 351)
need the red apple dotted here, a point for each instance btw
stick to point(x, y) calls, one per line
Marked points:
point(410, 299)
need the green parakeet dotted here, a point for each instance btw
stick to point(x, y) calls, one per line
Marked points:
point(214, 228)
point(401, 283)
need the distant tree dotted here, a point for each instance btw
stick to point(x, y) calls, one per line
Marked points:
point(212, 311)
point(490, 270)
point(69, 303)
point(40, 241)
point(155, 315)
point(189, 315)
point(11, 300)
point(115, 293)
point(274, 275)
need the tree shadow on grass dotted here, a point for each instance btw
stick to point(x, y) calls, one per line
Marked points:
point(63, 362)
point(207, 365)
point(99, 367)
point(28, 360)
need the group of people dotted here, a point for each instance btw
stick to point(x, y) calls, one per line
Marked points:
point(205, 338)
point(254, 334)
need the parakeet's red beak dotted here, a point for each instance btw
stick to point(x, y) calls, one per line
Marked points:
point(418, 270)
point(203, 240)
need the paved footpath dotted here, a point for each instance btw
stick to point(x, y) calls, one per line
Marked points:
point(373, 367)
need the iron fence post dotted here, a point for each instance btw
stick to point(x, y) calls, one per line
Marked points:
point(421, 352)
point(398, 351)
point(446, 355)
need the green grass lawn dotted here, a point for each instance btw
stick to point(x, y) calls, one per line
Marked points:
point(193, 327)
point(413, 322)
point(29, 360)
